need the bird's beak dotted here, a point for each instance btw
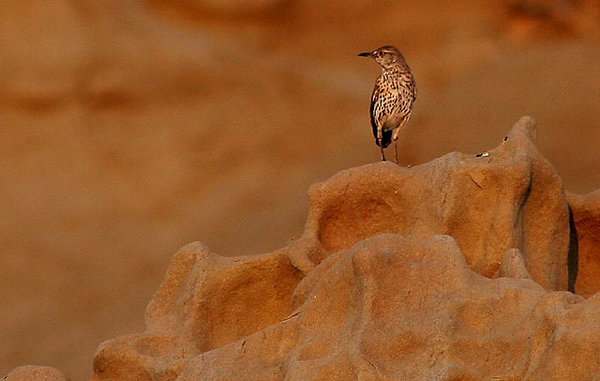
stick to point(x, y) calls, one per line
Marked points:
point(366, 54)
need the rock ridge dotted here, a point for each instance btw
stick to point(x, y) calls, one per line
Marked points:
point(454, 269)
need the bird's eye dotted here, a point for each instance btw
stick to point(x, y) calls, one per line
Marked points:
point(380, 53)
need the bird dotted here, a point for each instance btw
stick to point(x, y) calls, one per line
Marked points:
point(393, 96)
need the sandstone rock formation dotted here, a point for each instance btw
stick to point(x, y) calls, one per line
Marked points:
point(511, 199)
point(35, 373)
point(117, 143)
point(586, 220)
point(455, 269)
point(223, 8)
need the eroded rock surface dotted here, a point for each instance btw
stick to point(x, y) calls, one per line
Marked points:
point(586, 221)
point(511, 199)
point(132, 127)
point(391, 307)
point(455, 269)
point(35, 373)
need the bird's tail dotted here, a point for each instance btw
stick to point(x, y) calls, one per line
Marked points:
point(386, 139)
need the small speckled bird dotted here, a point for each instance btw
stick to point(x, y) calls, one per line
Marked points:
point(393, 97)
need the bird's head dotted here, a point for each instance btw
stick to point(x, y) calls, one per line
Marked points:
point(386, 56)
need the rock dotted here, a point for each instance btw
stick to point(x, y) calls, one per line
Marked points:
point(129, 128)
point(228, 7)
point(35, 373)
point(398, 308)
point(585, 211)
point(205, 302)
point(455, 269)
point(511, 199)
point(124, 57)
point(513, 266)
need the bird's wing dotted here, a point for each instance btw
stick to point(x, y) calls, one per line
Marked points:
point(407, 96)
point(404, 99)
point(377, 111)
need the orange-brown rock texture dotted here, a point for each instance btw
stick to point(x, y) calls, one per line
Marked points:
point(129, 128)
point(586, 220)
point(35, 373)
point(456, 269)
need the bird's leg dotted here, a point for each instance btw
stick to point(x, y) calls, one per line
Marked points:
point(395, 138)
point(380, 141)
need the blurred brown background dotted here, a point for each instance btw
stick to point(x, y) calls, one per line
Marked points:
point(129, 128)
